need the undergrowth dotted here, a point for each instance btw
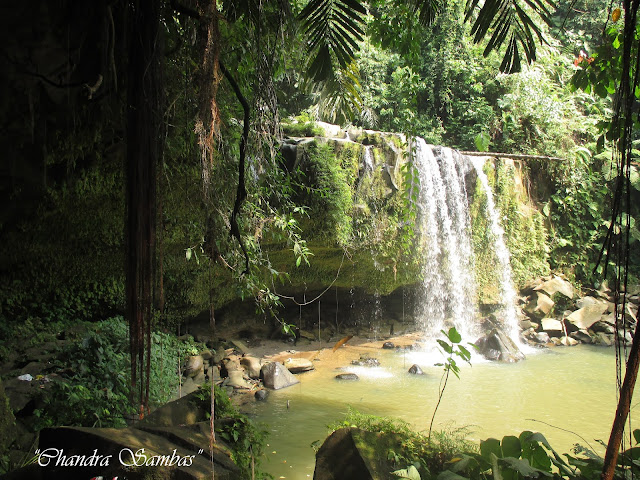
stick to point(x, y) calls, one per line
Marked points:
point(246, 439)
point(427, 456)
point(450, 456)
point(93, 386)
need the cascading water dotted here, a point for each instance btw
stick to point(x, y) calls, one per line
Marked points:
point(444, 225)
point(444, 217)
point(510, 319)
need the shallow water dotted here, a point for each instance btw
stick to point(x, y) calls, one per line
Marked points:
point(572, 388)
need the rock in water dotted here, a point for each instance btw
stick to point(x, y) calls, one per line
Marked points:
point(388, 345)
point(261, 395)
point(347, 376)
point(276, 376)
point(366, 361)
point(415, 370)
point(498, 347)
point(298, 365)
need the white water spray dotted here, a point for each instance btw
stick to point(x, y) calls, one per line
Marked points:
point(449, 292)
point(444, 221)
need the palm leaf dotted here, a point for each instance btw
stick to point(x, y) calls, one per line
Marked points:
point(339, 99)
point(510, 22)
point(333, 29)
point(427, 10)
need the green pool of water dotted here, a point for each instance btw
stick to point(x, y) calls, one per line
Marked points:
point(571, 388)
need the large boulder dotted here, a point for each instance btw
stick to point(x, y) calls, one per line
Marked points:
point(183, 411)
point(499, 347)
point(195, 364)
point(354, 454)
point(252, 365)
point(552, 327)
point(582, 336)
point(585, 317)
point(172, 452)
point(298, 365)
point(539, 305)
point(556, 285)
point(276, 376)
point(236, 380)
point(601, 338)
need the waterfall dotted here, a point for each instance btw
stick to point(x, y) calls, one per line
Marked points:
point(449, 290)
point(510, 321)
point(367, 159)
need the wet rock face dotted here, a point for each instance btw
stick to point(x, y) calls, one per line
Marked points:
point(498, 347)
point(415, 370)
point(347, 376)
point(195, 364)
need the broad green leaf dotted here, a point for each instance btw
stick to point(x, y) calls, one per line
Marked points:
point(449, 475)
point(187, 253)
point(411, 473)
point(489, 446)
point(445, 346)
point(523, 468)
point(461, 463)
point(634, 177)
point(632, 453)
point(454, 336)
point(464, 353)
point(511, 446)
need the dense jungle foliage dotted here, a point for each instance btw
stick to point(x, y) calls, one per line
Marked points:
point(63, 235)
point(64, 121)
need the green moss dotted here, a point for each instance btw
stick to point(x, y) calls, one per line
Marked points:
point(523, 224)
point(301, 126)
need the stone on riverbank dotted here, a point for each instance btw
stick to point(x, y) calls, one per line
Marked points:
point(298, 365)
point(276, 376)
point(252, 365)
point(585, 317)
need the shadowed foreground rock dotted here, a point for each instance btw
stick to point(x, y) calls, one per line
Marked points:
point(171, 450)
point(354, 454)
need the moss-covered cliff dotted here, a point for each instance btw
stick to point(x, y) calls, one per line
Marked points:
point(63, 260)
